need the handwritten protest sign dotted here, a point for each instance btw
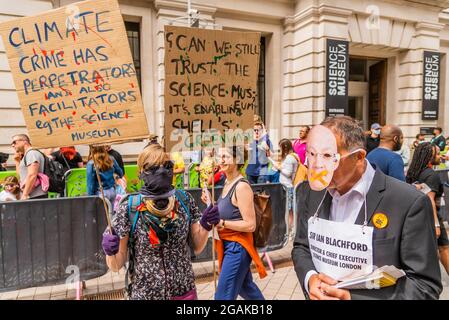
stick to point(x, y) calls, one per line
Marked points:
point(210, 86)
point(74, 75)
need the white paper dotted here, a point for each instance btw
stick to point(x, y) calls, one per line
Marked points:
point(366, 282)
point(340, 250)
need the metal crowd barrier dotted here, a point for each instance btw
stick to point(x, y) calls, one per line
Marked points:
point(279, 232)
point(444, 175)
point(43, 241)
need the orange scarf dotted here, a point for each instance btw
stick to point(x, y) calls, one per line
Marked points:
point(247, 242)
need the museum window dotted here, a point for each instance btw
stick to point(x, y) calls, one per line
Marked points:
point(133, 34)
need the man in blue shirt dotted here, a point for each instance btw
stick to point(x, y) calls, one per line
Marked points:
point(257, 169)
point(383, 157)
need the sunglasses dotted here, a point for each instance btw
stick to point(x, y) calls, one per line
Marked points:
point(15, 141)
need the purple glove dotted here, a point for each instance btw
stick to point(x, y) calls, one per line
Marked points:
point(110, 243)
point(210, 217)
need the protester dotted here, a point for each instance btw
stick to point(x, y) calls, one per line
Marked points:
point(373, 140)
point(438, 138)
point(68, 157)
point(107, 167)
point(389, 219)
point(235, 249)
point(287, 168)
point(257, 169)
point(11, 190)
point(29, 164)
point(384, 157)
point(160, 264)
point(428, 181)
point(300, 144)
point(117, 156)
point(178, 170)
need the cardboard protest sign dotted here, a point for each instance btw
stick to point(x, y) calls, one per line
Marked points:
point(210, 86)
point(74, 75)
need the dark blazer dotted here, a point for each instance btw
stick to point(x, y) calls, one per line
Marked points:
point(407, 242)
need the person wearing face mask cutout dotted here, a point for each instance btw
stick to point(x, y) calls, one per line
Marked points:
point(348, 199)
point(373, 140)
point(384, 157)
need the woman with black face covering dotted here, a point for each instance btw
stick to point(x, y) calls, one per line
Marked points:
point(153, 227)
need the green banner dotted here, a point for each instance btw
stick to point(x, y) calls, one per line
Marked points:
point(132, 178)
point(76, 183)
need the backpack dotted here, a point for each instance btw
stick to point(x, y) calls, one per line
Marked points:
point(133, 202)
point(301, 172)
point(264, 216)
point(54, 171)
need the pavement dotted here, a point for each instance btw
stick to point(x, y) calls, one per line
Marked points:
point(110, 286)
point(279, 285)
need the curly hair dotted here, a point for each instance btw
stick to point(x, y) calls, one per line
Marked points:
point(423, 155)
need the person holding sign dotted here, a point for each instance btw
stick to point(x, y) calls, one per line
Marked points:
point(235, 229)
point(354, 219)
point(154, 228)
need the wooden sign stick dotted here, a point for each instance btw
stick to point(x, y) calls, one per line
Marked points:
point(108, 219)
point(213, 227)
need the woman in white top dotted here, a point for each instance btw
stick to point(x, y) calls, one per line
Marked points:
point(287, 167)
point(288, 163)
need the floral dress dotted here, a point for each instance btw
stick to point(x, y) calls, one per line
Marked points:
point(164, 271)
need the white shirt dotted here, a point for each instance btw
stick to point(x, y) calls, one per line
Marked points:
point(287, 170)
point(7, 196)
point(346, 208)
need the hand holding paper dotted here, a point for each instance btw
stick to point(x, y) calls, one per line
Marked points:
point(380, 278)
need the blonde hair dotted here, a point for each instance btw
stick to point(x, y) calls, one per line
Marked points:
point(153, 155)
point(14, 182)
point(101, 158)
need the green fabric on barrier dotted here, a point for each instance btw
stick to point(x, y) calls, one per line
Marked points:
point(132, 178)
point(179, 181)
point(243, 169)
point(194, 177)
point(76, 183)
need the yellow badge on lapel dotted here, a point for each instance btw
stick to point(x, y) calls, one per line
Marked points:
point(380, 220)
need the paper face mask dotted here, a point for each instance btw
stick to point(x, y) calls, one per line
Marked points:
point(322, 157)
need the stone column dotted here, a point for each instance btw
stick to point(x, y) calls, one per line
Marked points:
point(304, 86)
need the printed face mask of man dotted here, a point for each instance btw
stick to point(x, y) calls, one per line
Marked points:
point(322, 157)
